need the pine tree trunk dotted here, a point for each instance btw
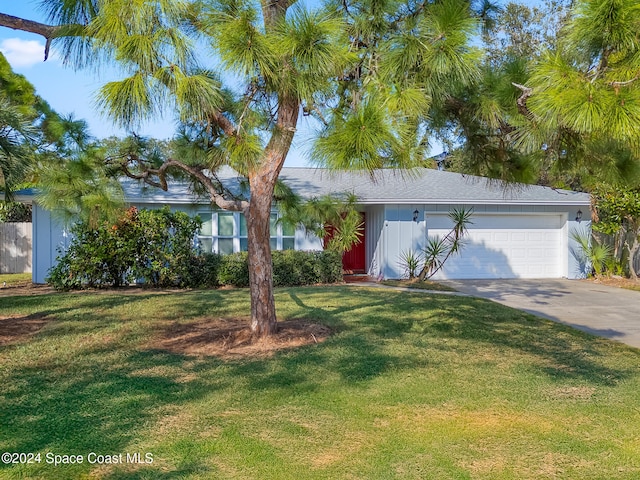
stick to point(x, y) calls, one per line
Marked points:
point(263, 309)
point(262, 183)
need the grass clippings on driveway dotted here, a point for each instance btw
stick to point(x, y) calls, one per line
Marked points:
point(407, 386)
point(616, 281)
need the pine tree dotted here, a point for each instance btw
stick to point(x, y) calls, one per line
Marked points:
point(369, 72)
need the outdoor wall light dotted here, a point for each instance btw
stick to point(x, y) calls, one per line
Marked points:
point(415, 215)
point(578, 216)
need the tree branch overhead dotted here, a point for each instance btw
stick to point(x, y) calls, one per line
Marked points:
point(49, 32)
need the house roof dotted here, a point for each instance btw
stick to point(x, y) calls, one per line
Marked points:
point(24, 195)
point(415, 186)
point(423, 185)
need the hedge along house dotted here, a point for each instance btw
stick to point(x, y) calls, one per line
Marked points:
point(517, 232)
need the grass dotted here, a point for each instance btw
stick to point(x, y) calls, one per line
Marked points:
point(424, 285)
point(15, 279)
point(631, 285)
point(410, 386)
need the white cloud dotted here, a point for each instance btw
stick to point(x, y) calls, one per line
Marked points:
point(22, 53)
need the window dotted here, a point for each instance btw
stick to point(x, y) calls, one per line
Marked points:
point(273, 231)
point(205, 236)
point(226, 232)
point(288, 237)
point(243, 233)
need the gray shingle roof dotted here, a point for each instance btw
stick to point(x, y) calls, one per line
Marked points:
point(421, 185)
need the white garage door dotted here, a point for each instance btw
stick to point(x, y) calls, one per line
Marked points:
point(504, 246)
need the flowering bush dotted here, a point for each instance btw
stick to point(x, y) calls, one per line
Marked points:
point(154, 247)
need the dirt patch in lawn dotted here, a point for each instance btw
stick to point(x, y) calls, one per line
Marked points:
point(15, 328)
point(24, 288)
point(231, 338)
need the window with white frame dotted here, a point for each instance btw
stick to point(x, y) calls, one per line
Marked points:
point(226, 232)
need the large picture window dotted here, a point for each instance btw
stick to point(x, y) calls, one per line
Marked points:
point(226, 232)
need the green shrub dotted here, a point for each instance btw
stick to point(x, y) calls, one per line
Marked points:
point(234, 270)
point(284, 269)
point(204, 271)
point(154, 247)
point(290, 268)
point(95, 258)
point(329, 266)
point(164, 248)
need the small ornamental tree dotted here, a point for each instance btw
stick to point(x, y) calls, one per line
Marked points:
point(617, 213)
point(439, 250)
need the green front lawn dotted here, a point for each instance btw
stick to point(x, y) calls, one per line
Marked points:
point(410, 386)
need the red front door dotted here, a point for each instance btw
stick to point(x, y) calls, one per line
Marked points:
point(354, 260)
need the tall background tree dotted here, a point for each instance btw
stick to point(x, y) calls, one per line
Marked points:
point(548, 109)
point(558, 105)
point(34, 139)
point(370, 72)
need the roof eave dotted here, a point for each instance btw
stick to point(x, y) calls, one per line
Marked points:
point(448, 201)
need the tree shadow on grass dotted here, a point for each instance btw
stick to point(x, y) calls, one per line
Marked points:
point(358, 353)
point(94, 397)
point(101, 397)
point(92, 407)
point(562, 352)
point(106, 396)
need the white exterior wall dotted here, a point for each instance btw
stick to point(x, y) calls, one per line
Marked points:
point(390, 230)
point(374, 255)
point(400, 234)
point(49, 239)
point(546, 228)
point(307, 241)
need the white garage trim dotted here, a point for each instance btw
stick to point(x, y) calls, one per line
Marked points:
point(503, 245)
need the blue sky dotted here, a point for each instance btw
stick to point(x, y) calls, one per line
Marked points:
point(66, 90)
point(73, 92)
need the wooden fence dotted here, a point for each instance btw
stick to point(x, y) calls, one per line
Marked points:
point(15, 247)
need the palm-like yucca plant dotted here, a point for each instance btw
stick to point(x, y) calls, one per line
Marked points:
point(411, 260)
point(439, 250)
point(435, 254)
point(593, 254)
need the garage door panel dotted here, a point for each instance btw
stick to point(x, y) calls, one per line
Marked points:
point(501, 236)
point(522, 247)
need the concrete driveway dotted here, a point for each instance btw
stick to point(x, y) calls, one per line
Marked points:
point(604, 311)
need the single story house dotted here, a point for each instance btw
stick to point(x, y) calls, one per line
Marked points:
point(518, 231)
